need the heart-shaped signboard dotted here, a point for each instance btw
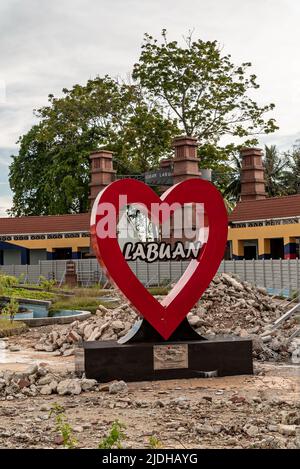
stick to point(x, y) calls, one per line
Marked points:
point(166, 316)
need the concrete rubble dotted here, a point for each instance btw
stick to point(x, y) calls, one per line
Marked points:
point(177, 413)
point(228, 307)
point(259, 411)
point(41, 380)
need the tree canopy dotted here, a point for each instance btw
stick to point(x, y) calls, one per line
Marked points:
point(193, 89)
point(281, 172)
point(50, 175)
point(204, 90)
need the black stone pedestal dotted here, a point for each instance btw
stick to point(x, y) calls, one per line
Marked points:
point(139, 361)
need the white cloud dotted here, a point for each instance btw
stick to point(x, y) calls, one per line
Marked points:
point(5, 204)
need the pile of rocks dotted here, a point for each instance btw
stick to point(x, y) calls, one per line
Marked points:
point(229, 306)
point(107, 324)
point(40, 380)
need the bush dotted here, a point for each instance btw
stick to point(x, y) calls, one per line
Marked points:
point(45, 284)
point(11, 309)
point(8, 281)
point(8, 327)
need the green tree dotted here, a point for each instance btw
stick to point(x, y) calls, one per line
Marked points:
point(274, 165)
point(50, 175)
point(291, 177)
point(207, 94)
point(229, 181)
point(277, 178)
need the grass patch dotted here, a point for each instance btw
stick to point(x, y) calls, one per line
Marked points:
point(158, 290)
point(7, 326)
point(93, 292)
point(27, 294)
point(80, 303)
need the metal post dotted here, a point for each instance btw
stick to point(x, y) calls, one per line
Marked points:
point(272, 272)
point(281, 277)
point(254, 271)
point(297, 277)
point(290, 280)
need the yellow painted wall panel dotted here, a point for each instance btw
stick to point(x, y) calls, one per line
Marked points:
point(256, 232)
point(50, 244)
point(263, 234)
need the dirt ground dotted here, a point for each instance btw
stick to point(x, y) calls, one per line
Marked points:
point(259, 411)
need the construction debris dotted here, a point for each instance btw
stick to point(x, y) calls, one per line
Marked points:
point(228, 307)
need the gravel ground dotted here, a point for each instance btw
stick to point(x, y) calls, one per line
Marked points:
point(260, 411)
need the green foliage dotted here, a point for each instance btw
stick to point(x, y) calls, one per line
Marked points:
point(114, 438)
point(7, 327)
point(154, 443)
point(50, 175)
point(158, 290)
point(202, 89)
point(277, 175)
point(45, 284)
point(63, 427)
point(228, 180)
point(78, 302)
point(8, 281)
point(27, 294)
point(275, 166)
point(21, 279)
point(91, 292)
point(291, 173)
point(10, 309)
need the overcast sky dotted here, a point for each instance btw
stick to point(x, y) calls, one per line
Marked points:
point(50, 44)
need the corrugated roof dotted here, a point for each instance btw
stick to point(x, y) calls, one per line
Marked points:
point(45, 224)
point(263, 209)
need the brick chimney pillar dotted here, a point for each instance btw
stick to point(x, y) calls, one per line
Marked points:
point(185, 166)
point(102, 172)
point(185, 162)
point(252, 179)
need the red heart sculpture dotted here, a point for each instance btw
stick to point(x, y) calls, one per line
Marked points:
point(165, 316)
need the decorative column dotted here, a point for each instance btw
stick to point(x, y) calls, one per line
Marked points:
point(252, 180)
point(71, 274)
point(102, 172)
point(185, 166)
point(185, 162)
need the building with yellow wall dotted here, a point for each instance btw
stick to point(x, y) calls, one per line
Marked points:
point(261, 227)
point(28, 240)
